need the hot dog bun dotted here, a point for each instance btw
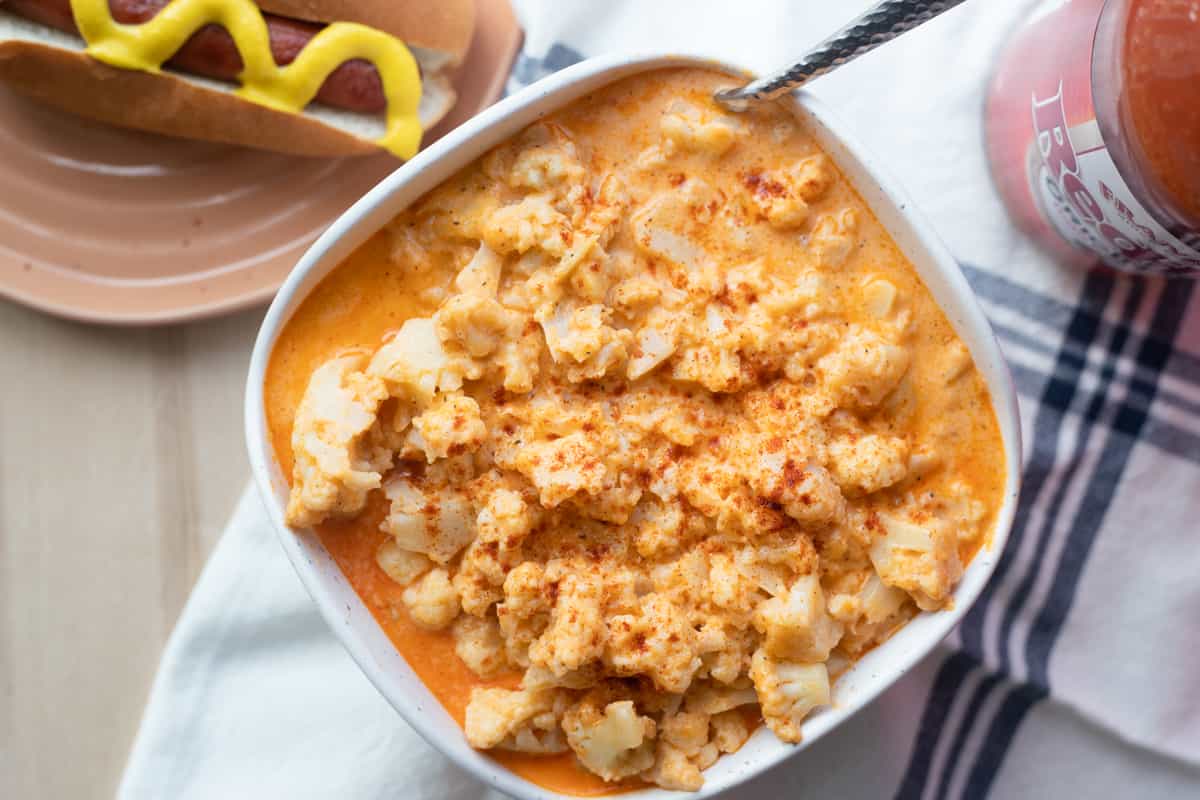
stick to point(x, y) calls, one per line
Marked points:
point(443, 26)
point(51, 66)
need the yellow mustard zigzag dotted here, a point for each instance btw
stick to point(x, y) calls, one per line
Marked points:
point(146, 46)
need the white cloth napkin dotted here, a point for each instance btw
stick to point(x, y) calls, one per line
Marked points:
point(1073, 677)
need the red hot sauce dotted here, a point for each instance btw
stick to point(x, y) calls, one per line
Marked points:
point(1093, 124)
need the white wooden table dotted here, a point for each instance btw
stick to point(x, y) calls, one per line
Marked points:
point(120, 459)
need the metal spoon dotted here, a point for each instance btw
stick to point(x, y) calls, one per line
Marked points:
point(882, 23)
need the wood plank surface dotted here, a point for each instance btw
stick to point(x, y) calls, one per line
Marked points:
point(121, 458)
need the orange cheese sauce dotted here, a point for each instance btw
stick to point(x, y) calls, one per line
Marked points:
point(370, 295)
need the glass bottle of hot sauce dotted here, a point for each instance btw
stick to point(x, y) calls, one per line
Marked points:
point(1093, 131)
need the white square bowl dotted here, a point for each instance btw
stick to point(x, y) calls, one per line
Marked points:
point(349, 617)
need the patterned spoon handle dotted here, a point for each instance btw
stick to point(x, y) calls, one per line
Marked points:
point(882, 23)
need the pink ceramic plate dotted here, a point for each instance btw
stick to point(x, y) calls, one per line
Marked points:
point(115, 226)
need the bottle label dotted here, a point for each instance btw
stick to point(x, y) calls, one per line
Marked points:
point(1082, 194)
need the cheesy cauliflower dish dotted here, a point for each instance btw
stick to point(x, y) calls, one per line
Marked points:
point(645, 422)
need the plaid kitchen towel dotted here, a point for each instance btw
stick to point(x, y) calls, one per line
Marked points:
point(1074, 676)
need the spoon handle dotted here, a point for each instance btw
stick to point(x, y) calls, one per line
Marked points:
point(880, 24)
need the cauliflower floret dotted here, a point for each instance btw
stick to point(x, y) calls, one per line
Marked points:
point(961, 510)
point(501, 527)
point(805, 490)
point(717, 369)
point(635, 293)
point(431, 601)
point(922, 559)
point(541, 168)
point(730, 731)
point(787, 692)
point(811, 177)
point(869, 615)
point(785, 196)
point(414, 364)
point(576, 633)
point(673, 770)
point(729, 589)
point(478, 325)
point(807, 295)
point(710, 352)
point(772, 578)
point(725, 651)
point(750, 281)
point(481, 276)
point(684, 749)
point(796, 625)
point(685, 730)
point(956, 362)
point(547, 159)
point(527, 721)
point(833, 237)
point(402, 566)
point(784, 209)
point(656, 641)
point(614, 743)
point(879, 602)
point(450, 426)
point(868, 463)
point(879, 297)
point(875, 602)
point(596, 213)
point(682, 579)
point(531, 223)
point(480, 578)
point(478, 643)
point(654, 346)
point(703, 129)
point(614, 502)
point(518, 360)
point(864, 368)
point(438, 523)
point(524, 612)
point(707, 756)
point(793, 399)
point(506, 518)
point(707, 483)
point(681, 422)
point(583, 339)
point(335, 466)
point(727, 666)
point(787, 211)
point(715, 487)
point(662, 228)
point(560, 468)
point(659, 527)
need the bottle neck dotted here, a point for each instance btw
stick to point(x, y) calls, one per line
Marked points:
point(1148, 109)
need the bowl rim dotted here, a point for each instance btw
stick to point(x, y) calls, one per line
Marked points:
point(516, 112)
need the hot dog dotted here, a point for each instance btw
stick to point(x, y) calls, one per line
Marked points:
point(437, 37)
point(212, 53)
